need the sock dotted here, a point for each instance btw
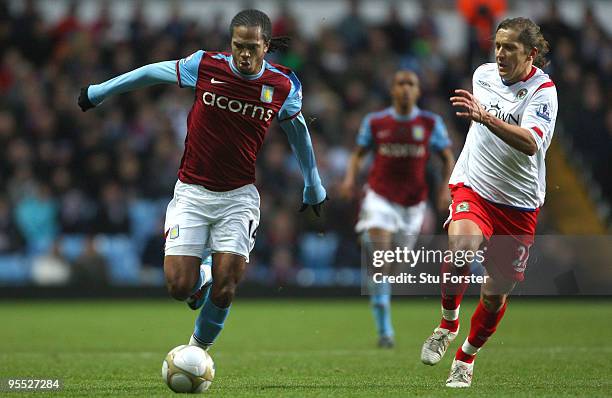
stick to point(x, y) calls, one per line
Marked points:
point(483, 325)
point(450, 319)
point(210, 322)
point(452, 294)
point(380, 298)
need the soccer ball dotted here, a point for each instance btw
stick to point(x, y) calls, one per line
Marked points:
point(188, 369)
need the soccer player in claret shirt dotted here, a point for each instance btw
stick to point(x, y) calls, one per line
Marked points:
point(497, 186)
point(402, 137)
point(215, 204)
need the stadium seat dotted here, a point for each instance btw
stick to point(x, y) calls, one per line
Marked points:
point(145, 216)
point(39, 246)
point(14, 270)
point(318, 252)
point(119, 251)
point(71, 246)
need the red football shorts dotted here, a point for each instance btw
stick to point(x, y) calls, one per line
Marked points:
point(509, 231)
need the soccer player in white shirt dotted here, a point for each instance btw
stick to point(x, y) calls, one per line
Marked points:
point(497, 186)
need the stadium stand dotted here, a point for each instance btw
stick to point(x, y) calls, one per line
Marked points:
point(106, 176)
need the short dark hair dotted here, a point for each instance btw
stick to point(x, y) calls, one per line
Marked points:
point(530, 36)
point(258, 18)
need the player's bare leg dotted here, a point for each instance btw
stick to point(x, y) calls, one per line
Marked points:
point(463, 235)
point(187, 278)
point(491, 308)
point(380, 294)
point(228, 270)
point(182, 274)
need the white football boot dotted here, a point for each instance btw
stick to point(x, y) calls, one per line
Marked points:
point(460, 375)
point(436, 345)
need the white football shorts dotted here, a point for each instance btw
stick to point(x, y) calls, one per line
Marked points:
point(378, 212)
point(199, 219)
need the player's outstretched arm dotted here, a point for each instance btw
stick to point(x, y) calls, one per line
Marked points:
point(365, 143)
point(348, 184)
point(148, 75)
point(299, 138)
point(517, 137)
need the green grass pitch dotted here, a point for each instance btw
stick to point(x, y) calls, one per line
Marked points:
point(306, 348)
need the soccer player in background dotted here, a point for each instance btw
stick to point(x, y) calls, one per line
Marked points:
point(497, 186)
point(393, 209)
point(215, 204)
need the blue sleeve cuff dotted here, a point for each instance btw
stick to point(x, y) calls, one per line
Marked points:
point(314, 194)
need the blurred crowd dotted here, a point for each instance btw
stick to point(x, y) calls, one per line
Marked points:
point(581, 66)
point(86, 192)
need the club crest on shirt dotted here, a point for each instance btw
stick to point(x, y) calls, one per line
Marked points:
point(418, 133)
point(521, 94)
point(462, 207)
point(543, 111)
point(267, 92)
